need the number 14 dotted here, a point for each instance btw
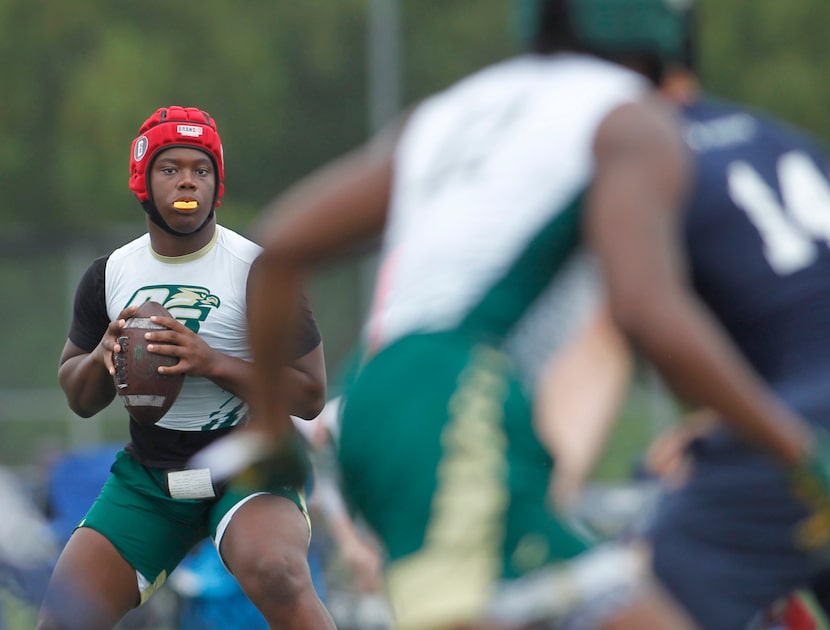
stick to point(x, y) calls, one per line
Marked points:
point(790, 229)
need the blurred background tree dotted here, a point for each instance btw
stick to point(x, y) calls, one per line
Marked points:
point(290, 85)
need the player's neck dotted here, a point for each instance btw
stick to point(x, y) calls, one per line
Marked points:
point(172, 245)
point(680, 87)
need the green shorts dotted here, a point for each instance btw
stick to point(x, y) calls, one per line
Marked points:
point(439, 454)
point(154, 532)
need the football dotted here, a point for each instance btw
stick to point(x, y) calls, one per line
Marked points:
point(146, 394)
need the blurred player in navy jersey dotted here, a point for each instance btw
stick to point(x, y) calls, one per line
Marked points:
point(735, 537)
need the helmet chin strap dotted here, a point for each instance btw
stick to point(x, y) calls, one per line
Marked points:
point(155, 216)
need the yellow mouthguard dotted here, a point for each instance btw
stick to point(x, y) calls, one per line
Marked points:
point(185, 205)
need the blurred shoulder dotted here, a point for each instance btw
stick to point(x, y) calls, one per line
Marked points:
point(647, 121)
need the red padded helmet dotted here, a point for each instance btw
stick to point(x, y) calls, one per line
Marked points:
point(175, 126)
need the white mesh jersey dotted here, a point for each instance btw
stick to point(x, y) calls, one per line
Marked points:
point(485, 206)
point(206, 291)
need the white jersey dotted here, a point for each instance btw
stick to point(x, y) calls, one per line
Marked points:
point(485, 205)
point(206, 291)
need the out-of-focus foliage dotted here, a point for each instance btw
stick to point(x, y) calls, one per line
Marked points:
point(771, 54)
point(286, 82)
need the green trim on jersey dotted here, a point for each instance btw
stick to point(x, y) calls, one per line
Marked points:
point(508, 299)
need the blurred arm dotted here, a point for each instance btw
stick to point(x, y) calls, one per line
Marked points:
point(323, 216)
point(579, 395)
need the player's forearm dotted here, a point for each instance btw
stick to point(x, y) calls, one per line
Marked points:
point(233, 375)
point(305, 393)
point(579, 395)
point(87, 385)
point(701, 363)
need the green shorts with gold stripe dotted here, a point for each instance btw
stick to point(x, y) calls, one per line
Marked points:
point(439, 454)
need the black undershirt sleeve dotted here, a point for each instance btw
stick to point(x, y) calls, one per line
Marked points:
point(308, 335)
point(89, 314)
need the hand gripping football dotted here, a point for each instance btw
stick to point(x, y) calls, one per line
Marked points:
point(146, 394)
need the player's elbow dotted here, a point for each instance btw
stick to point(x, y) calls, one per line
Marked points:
point(82, 407)
point(83, 398)
point(653, 323)
point(642, 317)
point(306, 382)
point(82, 412)
point(311, 401)
point(75, 399)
